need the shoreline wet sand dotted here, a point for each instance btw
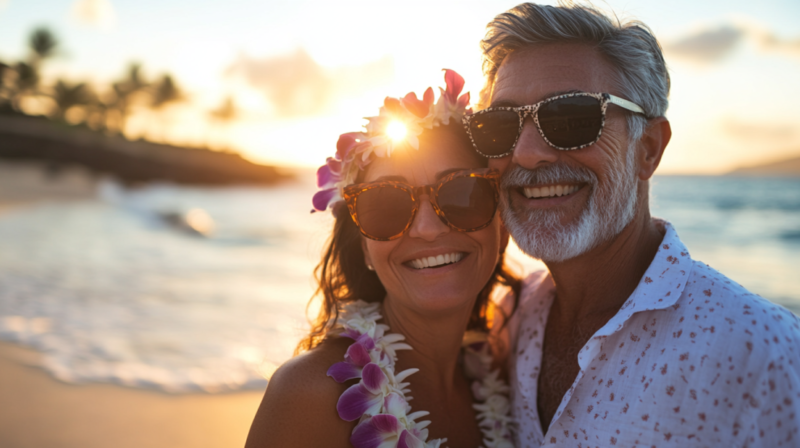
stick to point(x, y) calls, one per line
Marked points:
point(39, 410)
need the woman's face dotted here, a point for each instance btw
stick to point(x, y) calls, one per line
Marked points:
point(443, 288)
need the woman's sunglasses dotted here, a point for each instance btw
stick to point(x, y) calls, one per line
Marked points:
point(566, 122)
point(465, 200)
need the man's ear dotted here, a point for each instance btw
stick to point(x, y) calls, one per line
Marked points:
point(655, 139)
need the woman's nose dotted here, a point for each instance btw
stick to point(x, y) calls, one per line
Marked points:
point(427, 225)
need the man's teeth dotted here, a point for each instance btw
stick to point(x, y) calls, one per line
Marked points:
point(439, 260)
point(553, 191)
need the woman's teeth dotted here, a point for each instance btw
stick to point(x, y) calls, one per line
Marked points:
point(439, 260)
point(552, 191)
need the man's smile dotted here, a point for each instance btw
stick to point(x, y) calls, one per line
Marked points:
point(549, 191)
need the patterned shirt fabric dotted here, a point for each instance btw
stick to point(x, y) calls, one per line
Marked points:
point(691, 359)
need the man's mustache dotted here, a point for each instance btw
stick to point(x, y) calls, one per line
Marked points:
point(517, 176)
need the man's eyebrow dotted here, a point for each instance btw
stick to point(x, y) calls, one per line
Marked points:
point(511, 103)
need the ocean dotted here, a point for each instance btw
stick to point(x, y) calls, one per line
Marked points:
point(109, 290)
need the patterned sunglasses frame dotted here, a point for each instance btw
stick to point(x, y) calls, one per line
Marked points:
point(533, 109)
point(352, 192)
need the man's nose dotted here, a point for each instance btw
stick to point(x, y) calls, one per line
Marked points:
point(532, 151)
point(427, 225)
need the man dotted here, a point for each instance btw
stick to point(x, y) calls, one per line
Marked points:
point(627, 340)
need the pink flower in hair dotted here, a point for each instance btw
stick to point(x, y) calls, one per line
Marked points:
point(355, 150)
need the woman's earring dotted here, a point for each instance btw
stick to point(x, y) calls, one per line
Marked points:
point(369, 266)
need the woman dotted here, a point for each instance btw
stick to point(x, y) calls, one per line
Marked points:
point(416, 250)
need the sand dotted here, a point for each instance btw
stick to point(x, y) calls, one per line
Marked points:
point(39, 411)
point(23, 183)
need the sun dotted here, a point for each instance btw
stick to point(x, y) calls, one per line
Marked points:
point(396, 131)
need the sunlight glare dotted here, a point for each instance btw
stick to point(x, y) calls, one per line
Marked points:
point(396, 131)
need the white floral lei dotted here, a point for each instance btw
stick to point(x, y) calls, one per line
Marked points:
point(378, 401)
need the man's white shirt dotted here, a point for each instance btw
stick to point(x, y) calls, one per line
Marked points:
point(690, 359)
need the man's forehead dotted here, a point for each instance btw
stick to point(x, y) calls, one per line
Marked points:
point(533, 74)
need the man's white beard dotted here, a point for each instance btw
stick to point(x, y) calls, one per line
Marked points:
point(540, 234)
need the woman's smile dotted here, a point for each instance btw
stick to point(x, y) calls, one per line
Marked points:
point(436, 261)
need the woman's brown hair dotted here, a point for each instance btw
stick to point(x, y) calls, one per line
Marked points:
point(342, 276)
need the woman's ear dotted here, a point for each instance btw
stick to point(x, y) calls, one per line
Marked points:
point(367, 258)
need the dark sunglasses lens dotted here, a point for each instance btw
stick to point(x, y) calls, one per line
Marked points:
point(467, 202)
point(384, 212)
point(494, 132)
point(570, 122)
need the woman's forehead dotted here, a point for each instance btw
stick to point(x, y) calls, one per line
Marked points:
point(440, 152)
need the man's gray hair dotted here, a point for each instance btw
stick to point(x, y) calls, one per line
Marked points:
point(629, 47)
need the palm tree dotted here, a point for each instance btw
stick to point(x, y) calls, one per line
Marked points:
point(43, 44)
point(227, 111)
point(5, 94)
point(124, 92)
point(224, 114)
point(25, 84)
point(165, 92)
point(67, 96)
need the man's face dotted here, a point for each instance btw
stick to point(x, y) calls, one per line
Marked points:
point(560, 204)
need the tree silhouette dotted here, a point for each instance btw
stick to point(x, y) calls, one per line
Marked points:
point(165, 92)
point(224, 114)
point(227, 111)
point(26, 83)
point(5, 91)
point(67, 96)
point(124, 92)
point(43, 44)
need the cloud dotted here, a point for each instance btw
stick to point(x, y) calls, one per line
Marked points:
point(713, 44)
point(296, 85)
point(95, 13)
point(709, 45)
point(4, 4)
point(760, 131)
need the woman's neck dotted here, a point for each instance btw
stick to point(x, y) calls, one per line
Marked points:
point(436, 341)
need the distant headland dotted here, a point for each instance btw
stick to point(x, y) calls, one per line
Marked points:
point(27, 138)
point(789, 167)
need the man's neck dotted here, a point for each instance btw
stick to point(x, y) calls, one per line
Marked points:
point(601, 280)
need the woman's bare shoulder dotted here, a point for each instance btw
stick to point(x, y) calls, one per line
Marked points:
point(299, 405)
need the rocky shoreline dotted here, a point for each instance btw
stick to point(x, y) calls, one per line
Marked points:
point(25, 138)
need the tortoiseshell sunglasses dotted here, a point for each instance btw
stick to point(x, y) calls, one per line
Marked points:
point(566, 122)
point(464, 200)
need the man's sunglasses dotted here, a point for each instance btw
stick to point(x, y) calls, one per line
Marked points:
point(464, 200)
point(566, 122)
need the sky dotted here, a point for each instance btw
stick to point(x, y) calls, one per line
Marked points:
point(302, 72)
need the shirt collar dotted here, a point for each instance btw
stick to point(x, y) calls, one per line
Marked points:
point(661, 285)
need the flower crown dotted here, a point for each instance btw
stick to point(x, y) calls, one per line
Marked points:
point(400, 121)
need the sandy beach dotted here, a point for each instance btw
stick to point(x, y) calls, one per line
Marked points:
point(39, 411)
point(26, 183)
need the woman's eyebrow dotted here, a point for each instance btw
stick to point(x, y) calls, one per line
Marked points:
point(441, 174)
point(503, 103)
point(391, 178)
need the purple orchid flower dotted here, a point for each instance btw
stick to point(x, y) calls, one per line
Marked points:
point(383, 430)
point(366, 397)
point(357, 356)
